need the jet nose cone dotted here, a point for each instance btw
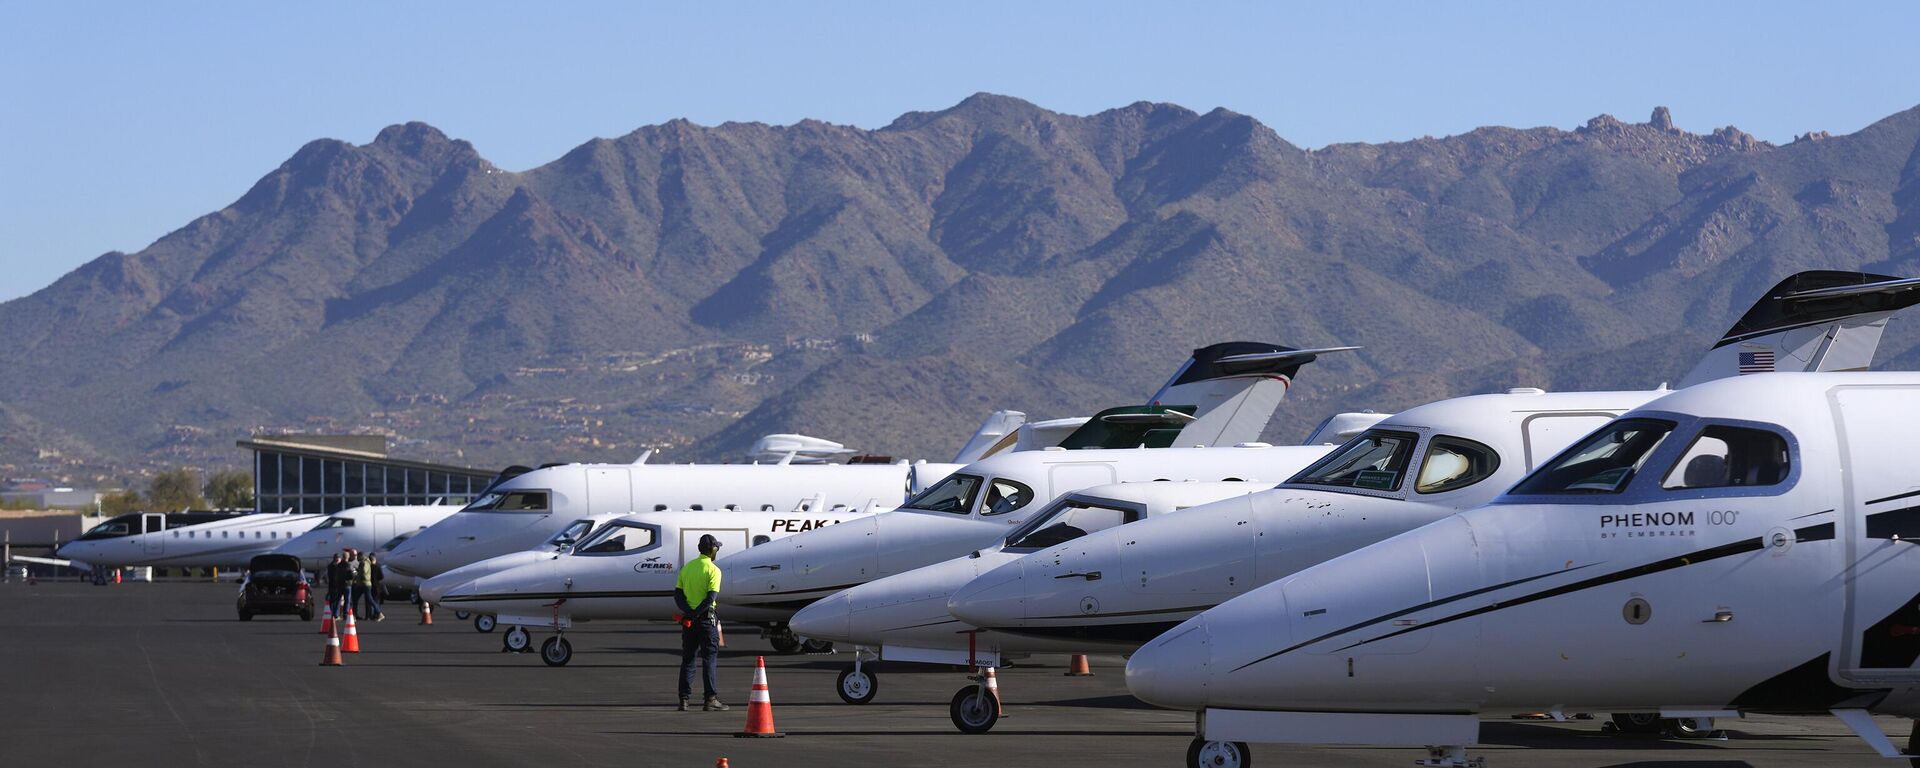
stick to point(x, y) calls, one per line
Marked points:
point(995, 599)
point(1175, 669)
point(434, 589)
point(828, 618)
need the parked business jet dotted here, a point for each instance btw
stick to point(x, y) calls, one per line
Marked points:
point(904, 617)
point(627, 570)
point(1743, 545)
point(205, 540)
point(432, 590)
point(1224, 391)
point(363, 529)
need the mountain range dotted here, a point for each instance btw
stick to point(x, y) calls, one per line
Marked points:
point(689, 288)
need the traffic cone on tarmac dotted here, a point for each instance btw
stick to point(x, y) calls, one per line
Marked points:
point(332, 656)
point(1079, 667)
point(993, 687)
point(426, 614)
point(326, 620)
point(350, 640)
point(760, 707)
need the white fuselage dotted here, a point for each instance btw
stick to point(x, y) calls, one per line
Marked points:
point(905, 616)
point(1741, 545)
point(361, 528)
point(1414, 470)
point(973, 508)
point(222, 543)
point(633, 577)
point(533, 506)
point(431, 590)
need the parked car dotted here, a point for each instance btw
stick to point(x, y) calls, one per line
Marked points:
point(275, 584)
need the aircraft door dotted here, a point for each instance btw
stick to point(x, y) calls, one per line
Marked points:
point(609, 491)
point(153, 523)
point(382, 528)
point(1881, 530)
point(731, 540)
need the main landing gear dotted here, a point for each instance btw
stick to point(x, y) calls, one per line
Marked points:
point(1653, 724)
point(782, 638)
point(856, 685)
point(516, 640)
point(482, 623)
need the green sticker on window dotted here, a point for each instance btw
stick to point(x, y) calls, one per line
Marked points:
point(1375, 479)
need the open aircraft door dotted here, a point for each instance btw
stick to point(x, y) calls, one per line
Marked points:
point(1880, 527)
point(152, 523)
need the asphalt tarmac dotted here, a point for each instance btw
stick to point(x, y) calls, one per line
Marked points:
point(163, 674)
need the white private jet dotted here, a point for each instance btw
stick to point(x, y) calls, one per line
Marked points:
point(432, 590)
point(1225, 391)
point(1744, 545)
point(362, 528)
point(627, 569)
point(189, 540)
point(1413, 468)
point(904, 617)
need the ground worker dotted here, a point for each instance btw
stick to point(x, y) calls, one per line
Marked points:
point(362, 587)
point(698, 591)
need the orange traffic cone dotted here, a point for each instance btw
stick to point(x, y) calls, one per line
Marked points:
point(760, 707)
point(326, 620)
point(116, 575)
point(332, 656)
point(350, 640)
point(993, 687)
point(1079, 667)
point(721, 763)
point(426, 614)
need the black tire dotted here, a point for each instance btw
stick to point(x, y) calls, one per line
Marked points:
point(246, 615)
point(306, 614)
point(974, 710)
point(784, 643)
point(1691, 727)
point(483, 623)
point(817, 646)
point(1913, 742)
point(517, 640)
point(860, 690)
point(1218, 754)
point(1636, 722)
point(556, 651)
point(463, 615)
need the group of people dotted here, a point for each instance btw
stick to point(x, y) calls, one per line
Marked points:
point(354, 581)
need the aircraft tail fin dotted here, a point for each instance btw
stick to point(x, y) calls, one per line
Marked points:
point(1812, 321)
point(1235, 388)
point(996, 434)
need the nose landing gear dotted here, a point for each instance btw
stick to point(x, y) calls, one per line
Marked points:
point(856, 685)
point(1218, 754)
point(556, 651)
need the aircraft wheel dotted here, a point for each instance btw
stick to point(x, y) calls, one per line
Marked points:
point(246, 615)
point(1218, 754)
point(1636, 722)
point(783, 640)
point(556, 651)
point(1692, 727)
point(483, 623)
point(1913, 742)
point(517, 639)
point(817, 646)
point(463, 615)
point(974, 710)
point(856, 686)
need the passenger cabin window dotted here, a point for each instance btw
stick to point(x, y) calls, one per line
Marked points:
point(761, 539)
point(618, 539)
point(1068, 520)
point(1375, 460)
point(1605, 462)
point(1453, 463)
point(953, 494)
point(1005, 496)
point(1730, 457)
point(511, 501)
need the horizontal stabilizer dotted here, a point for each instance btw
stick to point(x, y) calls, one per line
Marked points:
point(1812, 321)
point(1278, 356)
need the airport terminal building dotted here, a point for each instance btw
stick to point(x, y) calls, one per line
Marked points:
point(323, 474)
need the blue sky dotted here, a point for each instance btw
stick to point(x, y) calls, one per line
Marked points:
point(122, 121)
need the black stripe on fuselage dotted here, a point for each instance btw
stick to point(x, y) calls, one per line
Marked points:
point(557, 595)
point(1403, 612)
point(1895, 497)
point(1903, 523)
point(1132, 633)
point(1821, 532)
point(1714, 553)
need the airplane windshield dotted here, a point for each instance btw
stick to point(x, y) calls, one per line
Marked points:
point(1375, 460)
point(510, 501)
point(954, 495)
point(107, 530)
point(395, 541)
point(1605, 462)
point(573, 533)
point(334, 522)
point(1069, 519)
point(618, 539)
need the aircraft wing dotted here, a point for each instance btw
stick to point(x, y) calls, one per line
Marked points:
point(48, 561)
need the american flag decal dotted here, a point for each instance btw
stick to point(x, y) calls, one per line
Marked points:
point(1756, 362)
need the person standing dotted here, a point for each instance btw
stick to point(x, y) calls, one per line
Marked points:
point(362, 584)
point(376, 578)
point(337, 583)
point(696, 595)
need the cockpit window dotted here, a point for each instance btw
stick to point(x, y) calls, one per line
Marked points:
point(1603, 463)
point(334, 522)
point(954, 494)
point(1453, 463)
point(395, 541)
point(1374, 460)
point(106, 530)
point(1067, 520)
point(1005, 496)
point(618, 539)
point(574, 531)
point(1727, 457)
point(510, 501)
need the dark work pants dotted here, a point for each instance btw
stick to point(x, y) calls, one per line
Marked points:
point(700, 641)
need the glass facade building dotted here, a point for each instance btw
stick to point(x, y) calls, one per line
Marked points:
point(321, 474)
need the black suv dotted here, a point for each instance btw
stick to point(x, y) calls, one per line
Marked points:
point(275, 584)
